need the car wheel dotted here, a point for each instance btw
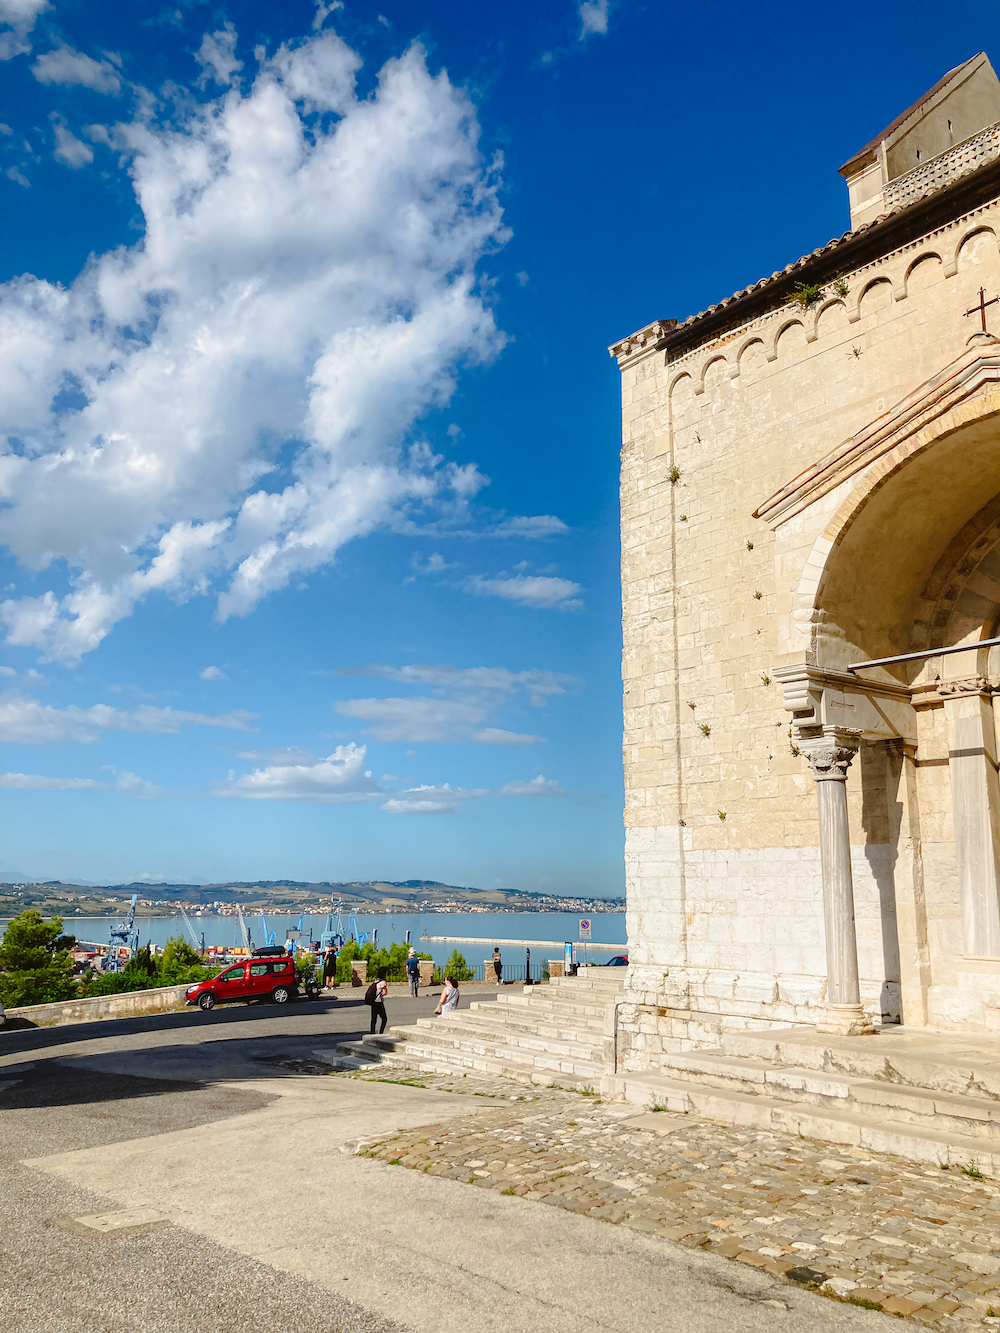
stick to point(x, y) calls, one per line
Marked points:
point(280, 995)
point(206, 1001)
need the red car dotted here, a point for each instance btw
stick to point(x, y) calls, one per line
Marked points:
point(258, 979)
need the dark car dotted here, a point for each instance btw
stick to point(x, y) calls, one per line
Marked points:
point(619, 960)
point(259, 979)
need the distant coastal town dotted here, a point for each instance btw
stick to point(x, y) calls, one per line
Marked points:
point(55, 898)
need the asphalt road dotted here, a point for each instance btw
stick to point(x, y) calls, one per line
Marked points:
point(260, 1216)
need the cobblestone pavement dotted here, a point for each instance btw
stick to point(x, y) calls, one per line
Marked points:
point(915, 1242)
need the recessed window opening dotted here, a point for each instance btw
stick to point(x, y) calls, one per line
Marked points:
point(949, 126)
point(918, 154)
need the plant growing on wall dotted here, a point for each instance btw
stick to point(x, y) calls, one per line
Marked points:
point(806, 294)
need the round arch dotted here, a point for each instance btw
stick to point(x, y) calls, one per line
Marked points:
point(906, 545)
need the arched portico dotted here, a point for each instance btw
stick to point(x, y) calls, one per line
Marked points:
point(908, 562)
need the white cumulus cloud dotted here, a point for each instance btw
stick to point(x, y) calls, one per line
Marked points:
point(217, 56)
point(126, 784)
point(69, 150)
point(17, 18)
point(593, 17)
point(423, 719)
point(66, 66)
point(212, 673)
point(34, 782)
point(540, 591)
point(467, 697)
point(28, 721)
point(340, 777)
point(250, 371)
point(447, 800)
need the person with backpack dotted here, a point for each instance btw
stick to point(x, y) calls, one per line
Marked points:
point(413, 972)
point(375, 996)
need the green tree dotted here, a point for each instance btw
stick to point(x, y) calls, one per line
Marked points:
point(181, 963)
point(35, 966)
point(457, 967)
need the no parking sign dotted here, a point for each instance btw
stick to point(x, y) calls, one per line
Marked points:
point(585, 928)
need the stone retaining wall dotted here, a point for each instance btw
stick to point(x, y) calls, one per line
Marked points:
point(129, 1004)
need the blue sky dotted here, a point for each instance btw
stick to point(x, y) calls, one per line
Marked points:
point(308, 484)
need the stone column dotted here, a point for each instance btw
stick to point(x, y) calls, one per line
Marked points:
point(972, 757)
point(830, 751)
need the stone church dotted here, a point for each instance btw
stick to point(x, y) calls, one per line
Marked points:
point(810, 491)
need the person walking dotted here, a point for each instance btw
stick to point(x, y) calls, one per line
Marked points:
point(378, 1003)
point(497, 965)
point(449, 997)
point(330, 966)
point(413, 972)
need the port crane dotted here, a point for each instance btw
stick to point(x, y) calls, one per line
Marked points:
point(199, 944)
point(269, 935)
point(124, 935)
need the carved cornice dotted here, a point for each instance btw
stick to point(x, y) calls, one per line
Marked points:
point(649, 339)
point(948, 689)
point(829, 751)
point(803, 684)
point(975, 371)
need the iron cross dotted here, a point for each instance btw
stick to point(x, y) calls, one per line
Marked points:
point(981, 307)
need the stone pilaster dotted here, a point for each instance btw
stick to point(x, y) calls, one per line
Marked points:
point(972, 753)
point(829, 751)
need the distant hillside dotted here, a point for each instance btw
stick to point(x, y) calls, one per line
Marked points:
point(55, 897)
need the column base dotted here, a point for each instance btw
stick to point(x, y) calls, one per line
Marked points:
point(845, 1020)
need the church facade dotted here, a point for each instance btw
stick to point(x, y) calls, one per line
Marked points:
point(810, 484)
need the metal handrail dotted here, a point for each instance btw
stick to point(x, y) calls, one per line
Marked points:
point(928, 652)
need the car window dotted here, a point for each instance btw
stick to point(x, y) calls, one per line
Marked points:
point(258, 970)
point(278, 967)
point(234, 974)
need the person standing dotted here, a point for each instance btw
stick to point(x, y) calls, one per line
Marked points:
point(497, 964)
point(413, 972)
point(449, 997)
point(378, 1004)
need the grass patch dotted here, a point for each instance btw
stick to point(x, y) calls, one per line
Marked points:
point(394, 1161)
point(657, 1107)
point(585, 1090)
point(973, 1172)
point(511, 1190)
point(865, 1304)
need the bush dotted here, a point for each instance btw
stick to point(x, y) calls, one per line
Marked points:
point(117, 983)
point(35, 966)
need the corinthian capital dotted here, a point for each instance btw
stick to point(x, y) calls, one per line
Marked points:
point(829, 750)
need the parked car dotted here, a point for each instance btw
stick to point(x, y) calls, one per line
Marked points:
point(258, 979)
point(619, 960)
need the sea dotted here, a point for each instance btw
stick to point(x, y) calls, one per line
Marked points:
point(543, 932)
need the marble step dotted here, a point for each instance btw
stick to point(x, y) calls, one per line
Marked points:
point(516, 1033)
point(439, 1033)
point(413, 1058)
point(543, 1023)
point(570, 1056)
point(944, 1062)
point(595, 1008)
point(879, 1133)
point(969, 1115)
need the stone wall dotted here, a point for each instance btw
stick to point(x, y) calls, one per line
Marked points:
point(129, 1004)
point(723, 900)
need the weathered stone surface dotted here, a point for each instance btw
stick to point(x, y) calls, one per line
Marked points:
point(869, 1226)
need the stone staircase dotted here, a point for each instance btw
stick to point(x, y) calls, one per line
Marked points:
point(550, 1034)
point(929, 1097)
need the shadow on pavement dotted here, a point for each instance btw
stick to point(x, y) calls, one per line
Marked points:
point(33, 1038)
